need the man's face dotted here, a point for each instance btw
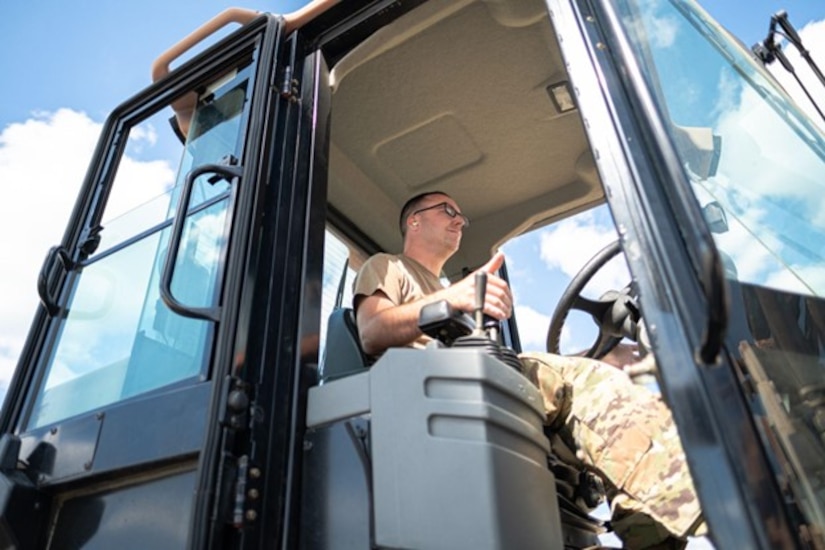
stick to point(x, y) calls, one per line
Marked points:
point(435, 223)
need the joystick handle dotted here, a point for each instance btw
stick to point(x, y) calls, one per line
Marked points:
point(481, 292)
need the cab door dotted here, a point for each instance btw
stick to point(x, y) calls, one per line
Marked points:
point(713, 176)
point(132, 384)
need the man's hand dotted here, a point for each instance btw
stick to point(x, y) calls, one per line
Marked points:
point(498, 300)
point(622, 356)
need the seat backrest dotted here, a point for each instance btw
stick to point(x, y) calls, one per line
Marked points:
point(343, 354)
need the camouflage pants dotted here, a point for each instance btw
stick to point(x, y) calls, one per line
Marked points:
point(626, 434)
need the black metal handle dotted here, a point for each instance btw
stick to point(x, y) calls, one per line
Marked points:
point(481, 293)
point(56, 253)
point(207, 313)
point(716, 295)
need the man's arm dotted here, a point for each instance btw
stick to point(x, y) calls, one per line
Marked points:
point(383, 324)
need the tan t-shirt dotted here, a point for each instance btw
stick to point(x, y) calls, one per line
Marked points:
point(402, 279)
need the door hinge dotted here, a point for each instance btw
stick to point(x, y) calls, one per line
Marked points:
point(237, 406)
point(289, 88)
point(246, 494)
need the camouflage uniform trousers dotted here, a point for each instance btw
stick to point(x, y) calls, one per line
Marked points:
point(625, 433)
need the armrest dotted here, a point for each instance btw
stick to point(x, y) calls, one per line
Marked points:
point(440, 321)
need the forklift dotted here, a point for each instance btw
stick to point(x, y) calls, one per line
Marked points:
point(193, 378)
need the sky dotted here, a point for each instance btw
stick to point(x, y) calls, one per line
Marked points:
point(67, 65)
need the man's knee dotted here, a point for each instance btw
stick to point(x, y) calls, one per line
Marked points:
point(626, 433)
point(556, 393)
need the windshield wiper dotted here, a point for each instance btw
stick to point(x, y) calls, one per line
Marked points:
point(801, 124)
point(769, 51)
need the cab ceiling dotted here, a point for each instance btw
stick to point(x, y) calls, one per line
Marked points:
point(453, 97)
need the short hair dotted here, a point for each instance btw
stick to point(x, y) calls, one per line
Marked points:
point(411, 205)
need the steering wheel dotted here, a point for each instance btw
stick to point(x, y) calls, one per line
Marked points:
point(616, 313)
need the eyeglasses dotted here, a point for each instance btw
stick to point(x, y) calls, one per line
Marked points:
point(448, 209)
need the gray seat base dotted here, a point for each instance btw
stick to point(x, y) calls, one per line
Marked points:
point(446, 448)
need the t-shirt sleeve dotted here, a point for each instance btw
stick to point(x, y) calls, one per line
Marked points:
point(379, 273)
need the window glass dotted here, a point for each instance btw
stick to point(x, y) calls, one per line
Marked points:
point(119, 339)
point(155, 164)
point(340, 267)
point(750, 152)
point(757, 166)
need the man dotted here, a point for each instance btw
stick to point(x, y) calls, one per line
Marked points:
point(622, 431)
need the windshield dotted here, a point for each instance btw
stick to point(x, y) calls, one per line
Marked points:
point(744, 143)
point(756, 164)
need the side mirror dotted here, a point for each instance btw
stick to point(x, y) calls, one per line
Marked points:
point(715, 217)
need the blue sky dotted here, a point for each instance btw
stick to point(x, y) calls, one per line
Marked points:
point(66, 65)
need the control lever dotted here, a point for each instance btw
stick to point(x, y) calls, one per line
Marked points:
point(485, 334)
point(481, 291)
point(485, 324)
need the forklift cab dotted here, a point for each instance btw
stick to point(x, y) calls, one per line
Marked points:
point(180, 386)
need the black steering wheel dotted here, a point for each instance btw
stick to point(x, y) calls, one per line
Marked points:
point(616, 313)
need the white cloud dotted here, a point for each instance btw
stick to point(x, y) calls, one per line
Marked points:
point(661, 31)
point(770, 203)
point(139, 184)
point(568, 246)
point(664, 32)
point(532, 327)
point(9, 351)
point(803, 280)
point(43, 162)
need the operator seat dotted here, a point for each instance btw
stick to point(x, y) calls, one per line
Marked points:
point(343, 354)
point(576, 491)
